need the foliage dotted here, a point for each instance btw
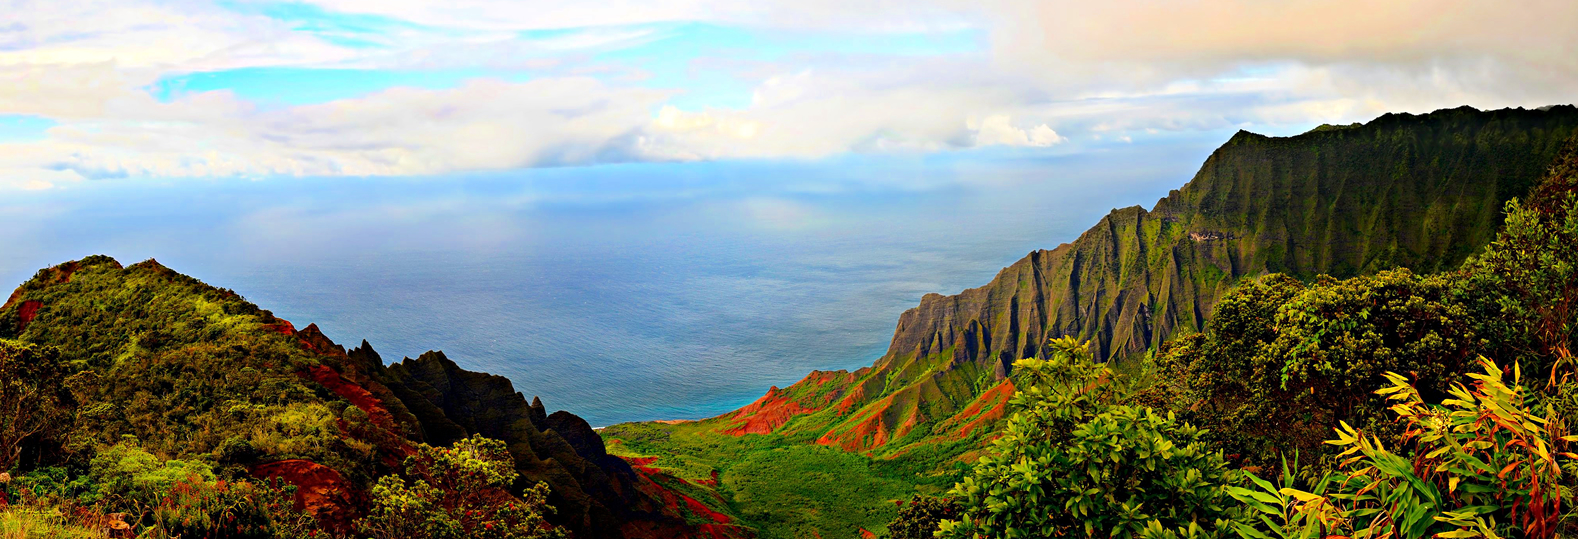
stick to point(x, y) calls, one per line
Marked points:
point(175, 498)
point(1281, 362)
point(1480, 464)
point(1525, 284)
point(34, 400)
point(1071, 463)
point(1285, 511)
point(920, 518)
point(25, 522)
point(192, 366)
point(458, 492)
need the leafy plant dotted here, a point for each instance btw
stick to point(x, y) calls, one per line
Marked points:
point(1480, 464)
point(458, 492)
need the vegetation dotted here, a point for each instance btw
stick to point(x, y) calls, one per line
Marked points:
point(33, 397)
point(920, 518)
point(1073, 462)
point(782, 489)
point(1482, 463)
point(1439, 450)
point(139, 402)
point(458, 492)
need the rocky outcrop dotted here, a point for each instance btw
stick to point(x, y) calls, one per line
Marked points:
point(596, 495)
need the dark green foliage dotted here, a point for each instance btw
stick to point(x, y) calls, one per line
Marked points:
point(1072, 463)
point(34, 400)
point(1524, 287)
point(1282, 362)
point(920, 518)
point(458, 492)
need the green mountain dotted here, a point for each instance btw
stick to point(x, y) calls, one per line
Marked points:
point(1421, 192)
point(1416, 191)
point(195, 373)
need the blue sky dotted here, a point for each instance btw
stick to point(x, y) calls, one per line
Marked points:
point(160, 89)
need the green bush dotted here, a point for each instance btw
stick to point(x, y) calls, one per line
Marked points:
point(1281, 362)
point(1070, 462)
point(920, 518)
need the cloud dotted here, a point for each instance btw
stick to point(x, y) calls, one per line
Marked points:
point(999, 130)
point(481, 125)
point(1056, 72)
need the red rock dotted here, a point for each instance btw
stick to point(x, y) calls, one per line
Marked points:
point(320, 491)
point(28, 311)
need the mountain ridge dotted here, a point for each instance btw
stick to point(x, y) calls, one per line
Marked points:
point(1420, 191)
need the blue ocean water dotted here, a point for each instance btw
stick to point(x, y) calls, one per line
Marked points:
point(618, 292)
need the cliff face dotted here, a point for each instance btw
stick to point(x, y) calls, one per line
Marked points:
point(193, 371)
point(1422, 192)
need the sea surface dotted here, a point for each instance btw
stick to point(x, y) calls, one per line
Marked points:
point(618, 292)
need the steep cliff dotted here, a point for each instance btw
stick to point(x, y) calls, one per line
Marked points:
point(1421, 192)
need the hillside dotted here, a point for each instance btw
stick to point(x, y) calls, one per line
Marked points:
point(1422, 192)
point(196, 373)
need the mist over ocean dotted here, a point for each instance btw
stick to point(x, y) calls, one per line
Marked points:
point(619, 292)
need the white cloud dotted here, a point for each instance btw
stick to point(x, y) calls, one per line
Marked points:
point(998, 129)
point(1056, 71)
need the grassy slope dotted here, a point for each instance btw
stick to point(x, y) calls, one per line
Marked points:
point(1415, 191)
point(782, 487)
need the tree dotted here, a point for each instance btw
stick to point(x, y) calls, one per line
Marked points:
point(458, 492)
point(919, 518)
point(34, 400)
point(1281, 362)
point(1071, 462)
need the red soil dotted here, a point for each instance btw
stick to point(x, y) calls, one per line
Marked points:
point(281, 326)
point(708, 482)
point(767, 413)
point(320, 491)
point(852, 399)
point(701, 509)
point(997, 398)
point(720, 528)
point(28, 311)
point(357, 395)
point(315, 341)
point(866, 534)
point(867, 434)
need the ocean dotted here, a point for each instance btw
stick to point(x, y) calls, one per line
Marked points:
point(620, 292)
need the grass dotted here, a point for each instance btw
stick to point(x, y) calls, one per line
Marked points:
point(787, 488)
point(30, 523)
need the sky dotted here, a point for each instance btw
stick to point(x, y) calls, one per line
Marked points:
point(95, 91)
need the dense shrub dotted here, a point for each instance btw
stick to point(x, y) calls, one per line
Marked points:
point(920, 518)
point(1070, 462)
point(1282, 362)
